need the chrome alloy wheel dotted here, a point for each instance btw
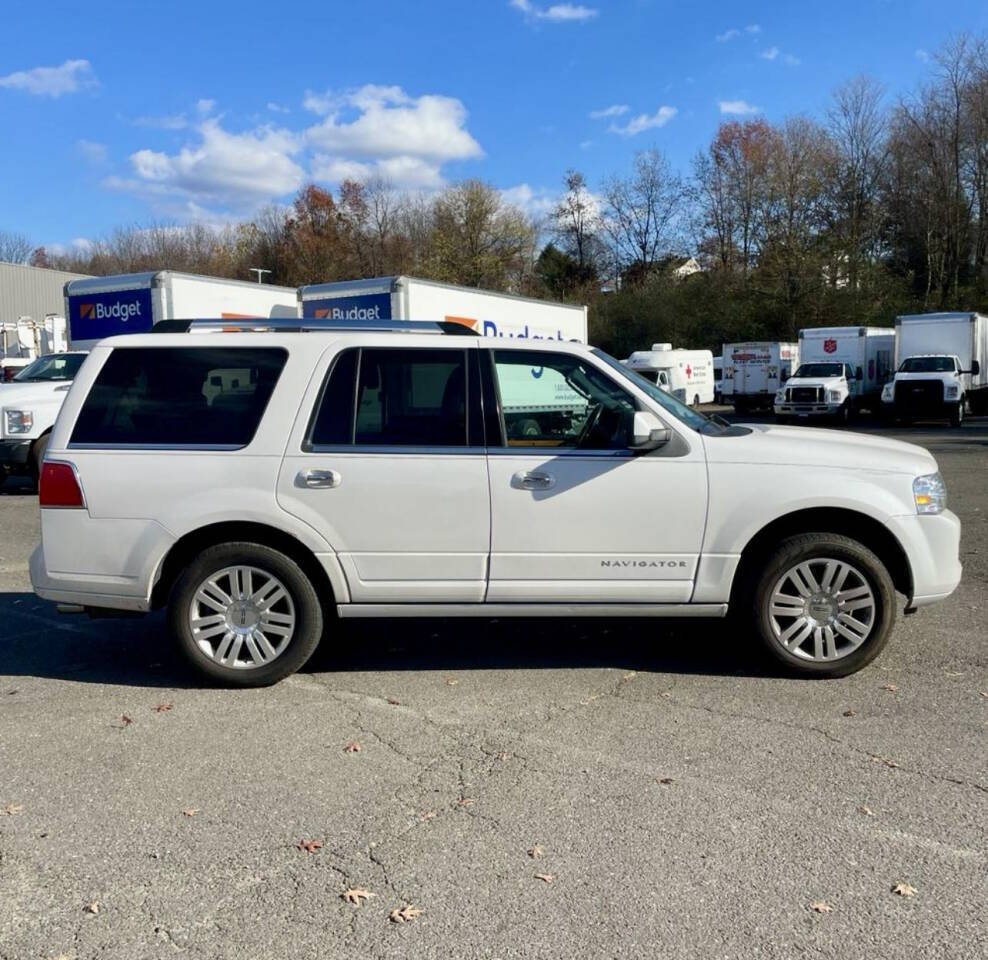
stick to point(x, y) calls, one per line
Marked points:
point(242, 617)
point(822, 610)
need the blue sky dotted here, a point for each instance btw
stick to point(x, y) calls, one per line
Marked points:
point(121, 112)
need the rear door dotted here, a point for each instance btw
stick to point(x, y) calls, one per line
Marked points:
point(387, 462)
point(577, 516)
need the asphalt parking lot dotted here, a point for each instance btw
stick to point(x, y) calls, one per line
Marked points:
point(536, 789)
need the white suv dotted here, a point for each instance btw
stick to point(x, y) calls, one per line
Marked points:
point(261, 482)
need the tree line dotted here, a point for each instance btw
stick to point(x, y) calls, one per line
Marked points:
point(875, 209)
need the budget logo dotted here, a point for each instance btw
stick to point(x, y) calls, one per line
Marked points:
point(87, 310)
point(829, 346)
point(114, 311)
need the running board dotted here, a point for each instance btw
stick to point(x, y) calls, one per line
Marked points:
point(490, 610)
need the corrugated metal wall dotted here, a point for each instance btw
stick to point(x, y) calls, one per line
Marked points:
point(31, 291)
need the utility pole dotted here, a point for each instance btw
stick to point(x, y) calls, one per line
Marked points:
point(259, 271)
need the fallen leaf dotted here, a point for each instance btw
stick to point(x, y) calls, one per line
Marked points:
point(92, 907)
point(984, 693)
point(849, 713)
point(162, 708)
point(429, 815)
point(352, 747)
point(821, 906)
point(125, 720)
point(394, 702)
point(544, 877)
point(405, 914)
point(904, 890)
point(504, 755)
point(665, 781)
point(891, 687)
point(12, 809)
point(466, 801)
point(190, 811)
point(355, 894)
point(309, 846)
point(867, 811)
point(451, 681)
point(535, 852)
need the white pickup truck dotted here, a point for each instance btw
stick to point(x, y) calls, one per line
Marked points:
point(29, 405)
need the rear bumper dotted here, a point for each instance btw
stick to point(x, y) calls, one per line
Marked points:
point(15, 453)
point(85, 591)
point(932, 545)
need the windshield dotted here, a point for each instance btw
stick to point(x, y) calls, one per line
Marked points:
point(927, 365)
point(692, 418)
point(55, 366)
point(819, 370)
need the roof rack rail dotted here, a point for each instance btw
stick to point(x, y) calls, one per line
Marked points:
point(310, 325)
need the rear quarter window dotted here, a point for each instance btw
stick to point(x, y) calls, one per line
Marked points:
point(179, 397)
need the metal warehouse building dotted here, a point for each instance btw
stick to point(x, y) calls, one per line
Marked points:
point(31, 291)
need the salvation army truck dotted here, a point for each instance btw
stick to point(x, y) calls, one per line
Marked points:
point(98, 307)
point(687, 374)
point(940, 367)
point(406, 298)
point(841, 370)
point(754, 371)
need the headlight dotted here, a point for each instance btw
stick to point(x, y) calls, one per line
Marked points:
point(835, 396)
point(930, 494)
point(18, 421)
point(780, 396)
point(953, 390)
point(887, 393)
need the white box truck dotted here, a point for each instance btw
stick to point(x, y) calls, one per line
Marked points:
point(687, 374)
point(841, 370)
point(406, 298)
point(939, 367)
point(99, 307)
point(754, 371)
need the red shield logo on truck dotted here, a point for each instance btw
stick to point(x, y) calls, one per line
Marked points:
point(829, 346)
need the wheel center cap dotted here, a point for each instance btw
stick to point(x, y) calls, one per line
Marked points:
point(821, 607)
point(242, 616)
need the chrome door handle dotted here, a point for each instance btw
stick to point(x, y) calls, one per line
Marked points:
point(319, 479)
point(534, 481)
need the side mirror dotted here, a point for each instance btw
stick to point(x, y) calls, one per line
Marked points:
point(975, 368)
point(648, 432)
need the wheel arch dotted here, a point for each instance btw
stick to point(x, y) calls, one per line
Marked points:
point(866, 530)
point(188, 546)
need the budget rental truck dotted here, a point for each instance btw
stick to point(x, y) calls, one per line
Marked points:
point(487, 313)
point(753, 372)
point(841, 370)
point(98, 307)
point(939, 367)
point(687, 374)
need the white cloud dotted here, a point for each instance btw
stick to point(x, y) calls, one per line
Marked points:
point(205, 107)
point(70, 77)
point(278, 108)
point(586, 144)
point(233, 169)
point(535, 201)
point(774, 53)
point(770, 54)
point(615, 110)
point(922, 55)
point(95, 153)
point(175, 121)
point(791, 61)
point(735, 32)
point(645, 121)
point(737, 108)
point(753, 28)
point(556, 12)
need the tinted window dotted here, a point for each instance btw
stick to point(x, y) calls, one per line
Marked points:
point(180, 396)
point(54, 366)
point(333, 423)
point(412, 397)
point(560, 400)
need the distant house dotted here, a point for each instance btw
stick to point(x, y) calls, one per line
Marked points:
point(688, 267)
point(679, 268)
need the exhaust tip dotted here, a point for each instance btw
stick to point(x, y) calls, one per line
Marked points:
point(70, 608)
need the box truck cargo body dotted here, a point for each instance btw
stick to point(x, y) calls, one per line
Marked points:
point(939, 367)
point(687, 374)
point(490, 314)
point(99, 307)
point(754, 371)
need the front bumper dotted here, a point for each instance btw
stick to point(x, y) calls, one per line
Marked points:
point(932, 545)
point(807, 409)
point(15, 453)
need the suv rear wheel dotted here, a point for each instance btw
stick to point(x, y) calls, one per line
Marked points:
point(824, 605)
point(245, 614)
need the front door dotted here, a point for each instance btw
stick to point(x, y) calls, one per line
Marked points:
point(577, 516)
point(390, 468)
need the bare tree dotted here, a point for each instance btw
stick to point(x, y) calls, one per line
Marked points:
point(15, 247)
point(575, 222)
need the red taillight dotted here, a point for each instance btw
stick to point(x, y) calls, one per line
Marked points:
point(59, 486)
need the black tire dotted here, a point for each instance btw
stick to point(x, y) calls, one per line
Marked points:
point(4, 473)
point(843, 416)
point(696, 399)
point(37, 457)
point(781, 420)
point(305, 605)
point(957, 414)
point(816, 546)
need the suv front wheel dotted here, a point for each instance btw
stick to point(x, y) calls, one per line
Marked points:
point(245, 614)
point(824, 605)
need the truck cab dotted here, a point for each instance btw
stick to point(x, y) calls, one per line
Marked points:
point(29, 405)
point(929, 386)
point(820, 389)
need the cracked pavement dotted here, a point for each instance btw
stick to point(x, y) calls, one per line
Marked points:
point(687, 801)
